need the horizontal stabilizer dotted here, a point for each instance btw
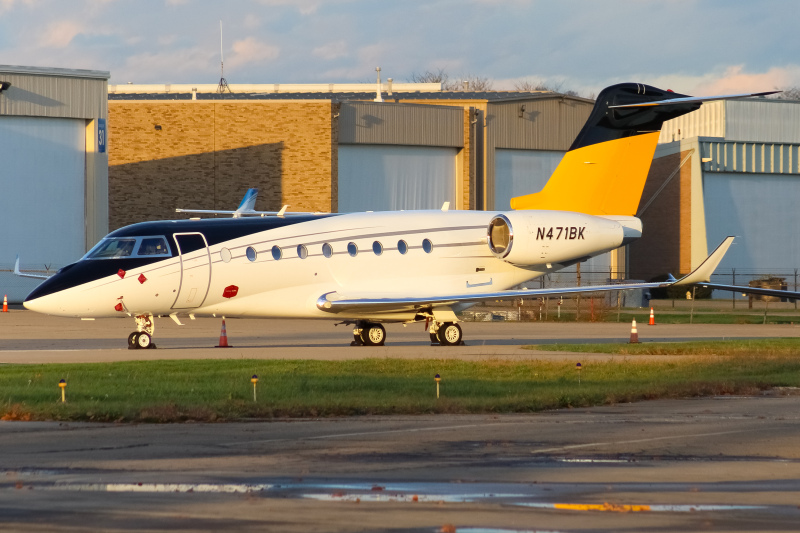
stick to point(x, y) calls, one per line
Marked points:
point(692, 100)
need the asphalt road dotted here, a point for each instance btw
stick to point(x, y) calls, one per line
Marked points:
point(721, 464)
point(27, 337)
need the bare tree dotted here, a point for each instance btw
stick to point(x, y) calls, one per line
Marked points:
point(473, 82)
point(789, 93)
point(429, 76)
point(543, 85)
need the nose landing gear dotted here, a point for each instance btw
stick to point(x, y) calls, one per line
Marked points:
point(142, 338)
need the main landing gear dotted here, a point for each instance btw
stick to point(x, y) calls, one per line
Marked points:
point(142, 338)
point(373, 334)
point(445, 334)
point(368, 334)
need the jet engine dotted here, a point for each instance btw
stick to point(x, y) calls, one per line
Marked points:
point(527, 238)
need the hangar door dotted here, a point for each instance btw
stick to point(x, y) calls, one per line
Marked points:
point(42, 190)
point(761, 210)
point(520, 172)
point(389, 178)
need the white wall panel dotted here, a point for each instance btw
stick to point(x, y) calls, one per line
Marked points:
point(389, 178)
point(761, 210)
point(520, 172)
point(42, 190)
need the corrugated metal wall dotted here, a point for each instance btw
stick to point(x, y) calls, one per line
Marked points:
point(543, 124)
point(708, 121)
point(752, 157)
point(763, 120)
point(55, 95)
point(758, 120)
point(401, 124)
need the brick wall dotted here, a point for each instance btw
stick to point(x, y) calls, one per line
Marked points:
point(206, 154)
point(665, 246)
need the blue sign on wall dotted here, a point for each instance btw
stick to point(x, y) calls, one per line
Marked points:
point(101, 135)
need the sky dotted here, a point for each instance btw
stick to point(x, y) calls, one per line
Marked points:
point(698, 47)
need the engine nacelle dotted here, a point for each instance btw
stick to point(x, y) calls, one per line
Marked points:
point(540, 237)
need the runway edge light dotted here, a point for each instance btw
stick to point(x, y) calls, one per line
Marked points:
point(254, 380)
point(437, 378)
point(63, 385)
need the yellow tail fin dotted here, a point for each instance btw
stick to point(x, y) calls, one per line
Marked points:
point(605, 169)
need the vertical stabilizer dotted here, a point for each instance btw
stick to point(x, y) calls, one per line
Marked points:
point(605, 169)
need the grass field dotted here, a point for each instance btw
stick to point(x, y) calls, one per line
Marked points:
point(217, 390)
point(757, 348)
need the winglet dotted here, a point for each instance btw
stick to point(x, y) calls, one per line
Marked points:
point(282, 212)
point(16, 267)
point(703, 272)
point(248, 201)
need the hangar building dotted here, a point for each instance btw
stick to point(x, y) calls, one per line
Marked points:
point(729, 168)
point(333, 148)
point(54, 184)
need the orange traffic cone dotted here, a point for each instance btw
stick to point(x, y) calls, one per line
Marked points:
point(634, 333)
point(223, 337)
point(5, 303)
point(652, 318)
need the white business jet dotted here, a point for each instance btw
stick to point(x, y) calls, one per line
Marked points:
point(367, 269)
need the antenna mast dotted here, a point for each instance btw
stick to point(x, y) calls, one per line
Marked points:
point(223, 83)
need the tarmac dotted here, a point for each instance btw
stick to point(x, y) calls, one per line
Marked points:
point(699, 464)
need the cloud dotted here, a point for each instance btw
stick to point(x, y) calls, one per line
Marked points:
point(59, 34)
point(162, 67)
point(304, 7)
point(331, 51)
point(251, 21)
point(251, 50)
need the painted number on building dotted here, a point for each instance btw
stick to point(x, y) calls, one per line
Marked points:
point(565, 233)
point(101, 135)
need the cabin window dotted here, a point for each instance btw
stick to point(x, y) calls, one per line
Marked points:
point(277, 253)
point(427, 245)
point(302, 251)
point(124, 247)
point(327, 250)
point(225, 255)
point(402, 247)
point(112, 249)
point(352, 249)
point(251, 253)
point(377, 248)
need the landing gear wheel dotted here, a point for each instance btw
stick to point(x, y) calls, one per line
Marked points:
point(132, 340)
point(142, 340)
point(434, 339)
point(373, 335)
point(449, 334)
point(357, 340)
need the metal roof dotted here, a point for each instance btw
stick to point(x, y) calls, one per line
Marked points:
point(488, 96)
point(55, 72)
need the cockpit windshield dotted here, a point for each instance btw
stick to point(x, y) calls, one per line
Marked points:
point(126, 247)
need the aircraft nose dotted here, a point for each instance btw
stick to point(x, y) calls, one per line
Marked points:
point(42, 304)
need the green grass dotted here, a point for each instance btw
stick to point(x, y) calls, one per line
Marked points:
point(209, 390)
point(755, 347)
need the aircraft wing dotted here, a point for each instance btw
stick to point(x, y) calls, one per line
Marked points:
point(25, 274)
point(334, 302)
point(753, 290)
point(692, 100)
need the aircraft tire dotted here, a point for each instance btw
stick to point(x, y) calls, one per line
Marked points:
point(143, 340)
point(132, 341)
point(449, 334)
point(434, 339)
point(373, 335)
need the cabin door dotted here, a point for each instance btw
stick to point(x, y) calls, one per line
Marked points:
point(195, 270)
